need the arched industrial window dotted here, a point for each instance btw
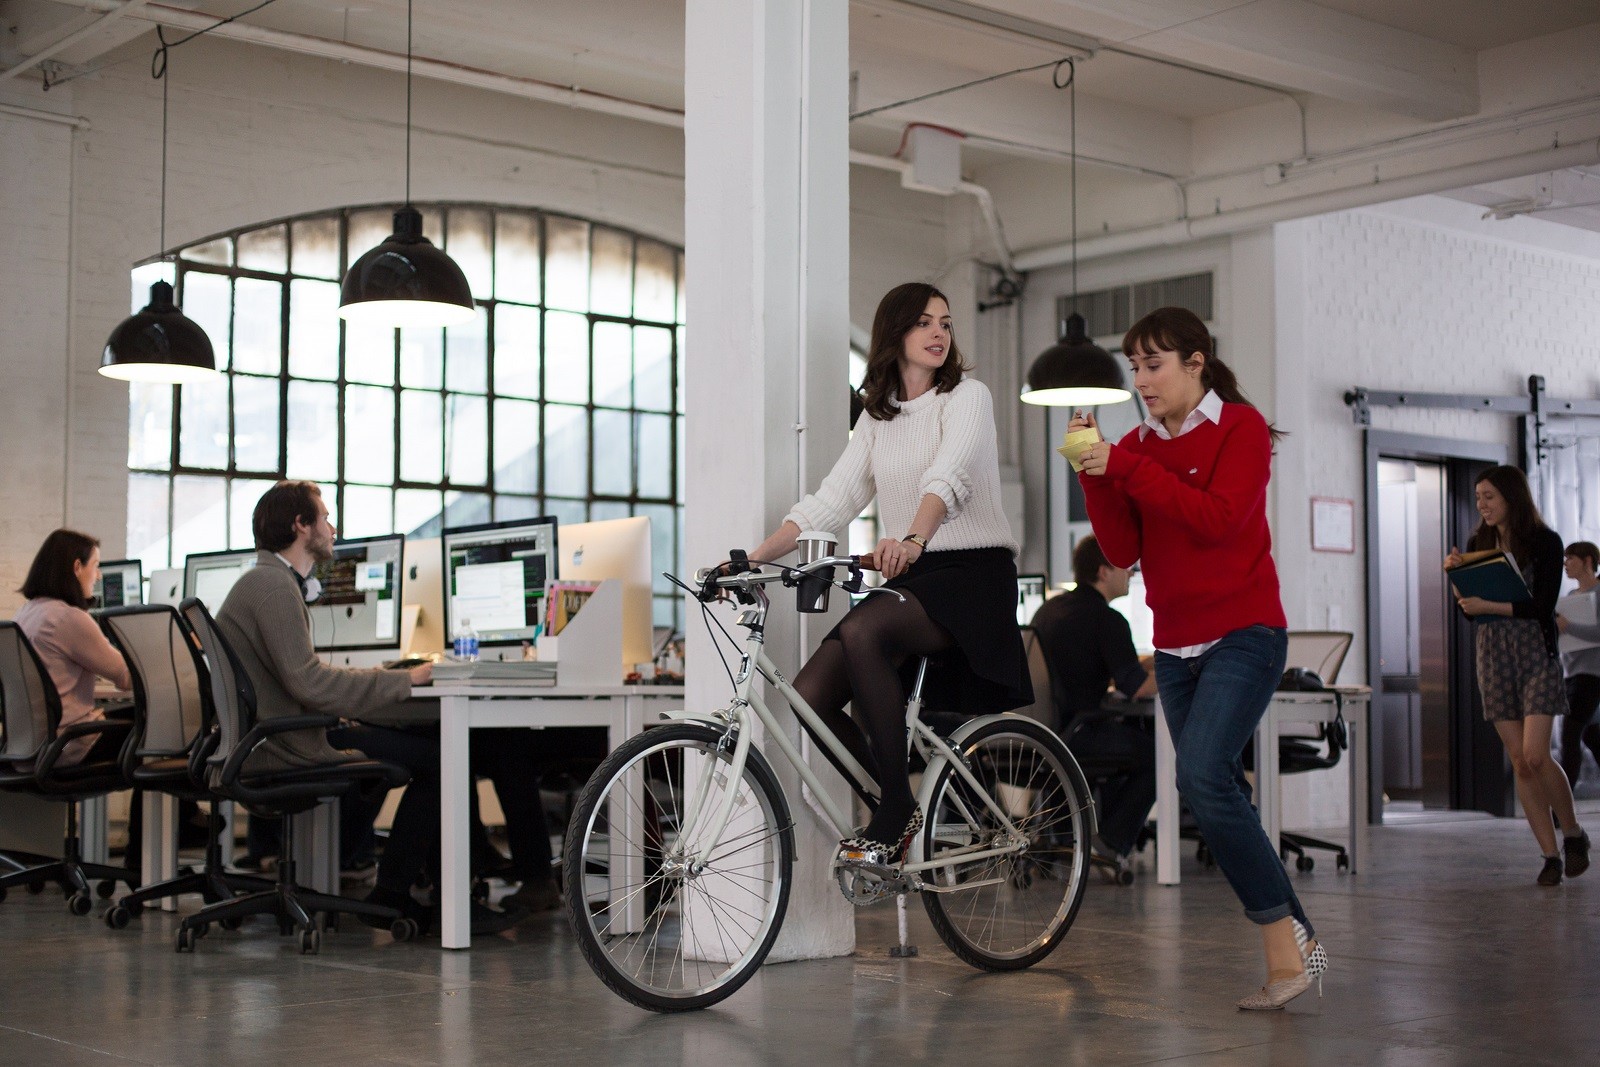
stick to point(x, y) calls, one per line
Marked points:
point(563, 397)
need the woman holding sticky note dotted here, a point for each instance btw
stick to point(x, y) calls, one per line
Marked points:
point(1184, 495)
point(1519, 676)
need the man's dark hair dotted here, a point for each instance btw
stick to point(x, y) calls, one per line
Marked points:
point(279, 509)
point(51, 573)
point(1087, 559)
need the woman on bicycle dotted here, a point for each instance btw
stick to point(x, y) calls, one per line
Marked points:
point(927, 450)
point(1184, 494)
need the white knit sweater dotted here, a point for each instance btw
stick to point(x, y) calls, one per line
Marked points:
point(940, 443)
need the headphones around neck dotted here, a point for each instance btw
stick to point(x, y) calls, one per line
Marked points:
point(310, 588)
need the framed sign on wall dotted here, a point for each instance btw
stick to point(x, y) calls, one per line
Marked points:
point(1333, 524)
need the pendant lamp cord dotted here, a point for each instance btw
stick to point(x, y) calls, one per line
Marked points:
point(158, 70)
point(408, 101)
point(1071, 85)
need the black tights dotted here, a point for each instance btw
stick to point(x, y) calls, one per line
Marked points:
point(860, 665)
point(1577, 726)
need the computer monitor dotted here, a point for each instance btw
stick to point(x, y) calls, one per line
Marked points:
point(355, 619)
point(615, 548)
point(494, 576)
point(210, 575)
point(121, 584)
point(424, 595)
point(1030, 596)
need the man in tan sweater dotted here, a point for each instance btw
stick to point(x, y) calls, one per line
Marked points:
point(266, 620)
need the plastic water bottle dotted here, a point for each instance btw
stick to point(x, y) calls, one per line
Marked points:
point(466, 642)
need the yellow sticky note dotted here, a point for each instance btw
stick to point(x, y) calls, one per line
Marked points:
point(1075, 443)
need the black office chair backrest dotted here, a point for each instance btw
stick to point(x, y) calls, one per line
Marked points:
point(30, 706)
point(167, 677)
point(233, 698)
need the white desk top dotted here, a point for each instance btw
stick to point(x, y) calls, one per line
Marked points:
point(565, 692)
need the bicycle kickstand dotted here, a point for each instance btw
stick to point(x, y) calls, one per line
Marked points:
point(901, 950)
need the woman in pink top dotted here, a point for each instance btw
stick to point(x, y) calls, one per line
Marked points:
point(68, 641)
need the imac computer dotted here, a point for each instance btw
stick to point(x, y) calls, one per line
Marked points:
point(494, 576)
point(355, 620)
point(166, 586)
point(1030, 596)
point(209, 575)
point(615, 548)
point(121, 584)
point(423, 608)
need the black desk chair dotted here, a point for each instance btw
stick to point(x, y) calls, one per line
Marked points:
point(30, 762)
point(1046, 709)
point(277, 794)
point(174, 734)
point(1322, 653)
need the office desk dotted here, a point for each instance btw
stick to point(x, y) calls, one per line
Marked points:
point(1285, 709)
point(463, 707)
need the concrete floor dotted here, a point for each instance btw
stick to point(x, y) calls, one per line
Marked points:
point(1444, 952)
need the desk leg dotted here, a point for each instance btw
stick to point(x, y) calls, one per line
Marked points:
point(455, 852)
point(626, 716)
point(92, 819)
point(1268, 801)
point(158, 860)
point(316, 848)
point(1360, 800)
point(1167, 810)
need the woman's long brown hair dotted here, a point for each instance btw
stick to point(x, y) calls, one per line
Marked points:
point(1174, 329)
point(1522, 514)
point(898, 313)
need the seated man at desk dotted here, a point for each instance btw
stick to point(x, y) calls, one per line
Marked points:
point(266, 621)
point(1089, 647)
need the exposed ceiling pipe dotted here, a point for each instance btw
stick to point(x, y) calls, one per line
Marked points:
point(75, 121)
point(113, 14)
point(1584, 153)
point(438, 70)
point(991, 218)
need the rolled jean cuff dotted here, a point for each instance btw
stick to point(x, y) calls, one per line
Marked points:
point(1272, 915)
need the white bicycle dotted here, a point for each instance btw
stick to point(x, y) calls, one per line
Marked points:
point(681, 847)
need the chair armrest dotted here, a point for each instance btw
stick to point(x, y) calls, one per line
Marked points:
point(264, 729)
point(58, 744)
point(204, 748)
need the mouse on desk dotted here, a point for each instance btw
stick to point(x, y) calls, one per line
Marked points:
point(406, 663)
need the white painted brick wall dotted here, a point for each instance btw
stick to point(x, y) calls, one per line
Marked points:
point(1414, 296)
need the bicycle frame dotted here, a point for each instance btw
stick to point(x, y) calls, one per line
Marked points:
point(749, 701)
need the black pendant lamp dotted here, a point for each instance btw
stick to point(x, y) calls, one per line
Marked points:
point(406, 281)
point(1075, 372)
point(159, 343)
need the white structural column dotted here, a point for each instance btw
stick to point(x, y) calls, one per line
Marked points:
point(766, 204)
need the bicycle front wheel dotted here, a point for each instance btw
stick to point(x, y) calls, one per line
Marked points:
point(1007, 912)
point(662, 930)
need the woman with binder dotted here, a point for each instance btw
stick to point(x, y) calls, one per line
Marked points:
point(1519, 676)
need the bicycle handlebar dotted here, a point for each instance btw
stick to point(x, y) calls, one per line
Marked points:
point(710, 583)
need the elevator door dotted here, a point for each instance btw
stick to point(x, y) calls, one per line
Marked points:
point(1413, 702)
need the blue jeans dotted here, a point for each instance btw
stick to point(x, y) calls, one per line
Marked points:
point(1213, 703)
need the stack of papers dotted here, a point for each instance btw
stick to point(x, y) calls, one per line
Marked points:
point(496, 672)
point(1579, 608)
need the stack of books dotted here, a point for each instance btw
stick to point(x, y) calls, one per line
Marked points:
point(1491, 575)
point(496, 672)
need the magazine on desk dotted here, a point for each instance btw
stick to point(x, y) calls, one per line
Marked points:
point(1490, 575)
point(1578, 608)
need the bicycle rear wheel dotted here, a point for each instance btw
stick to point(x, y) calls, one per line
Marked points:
point(1004, 913)
point(659, 931)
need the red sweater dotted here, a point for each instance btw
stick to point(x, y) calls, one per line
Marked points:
point(1192, 511)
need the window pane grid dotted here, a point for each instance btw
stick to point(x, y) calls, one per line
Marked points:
point(562, 397)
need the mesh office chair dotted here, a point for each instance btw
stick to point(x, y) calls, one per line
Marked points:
point(30, 762)
point(1322, 652)
point(173, 736)
point(277, 794)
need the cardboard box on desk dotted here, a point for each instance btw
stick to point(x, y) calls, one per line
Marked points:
point(588, 651)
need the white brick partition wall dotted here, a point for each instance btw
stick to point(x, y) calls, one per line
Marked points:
point(1418, 295)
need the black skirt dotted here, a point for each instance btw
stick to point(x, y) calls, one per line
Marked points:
point(972, 593)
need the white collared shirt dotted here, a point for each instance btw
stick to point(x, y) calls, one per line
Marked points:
point(1210, 407)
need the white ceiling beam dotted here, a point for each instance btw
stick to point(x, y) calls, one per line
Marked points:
point(39, 49)
point(1290, 43)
